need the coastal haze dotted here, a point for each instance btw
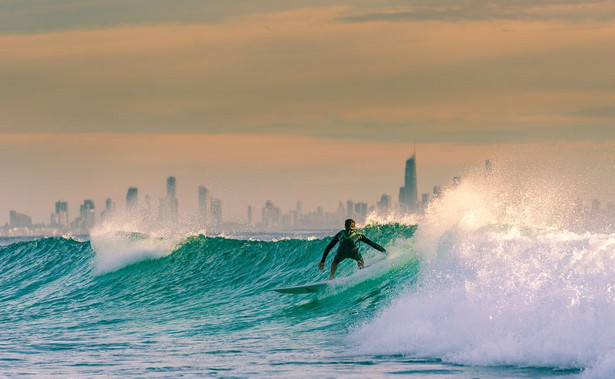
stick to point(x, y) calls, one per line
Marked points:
point(294, 102)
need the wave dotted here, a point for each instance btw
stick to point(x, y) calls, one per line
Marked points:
point(509, 275)
point(498, 272)
point(151, 278)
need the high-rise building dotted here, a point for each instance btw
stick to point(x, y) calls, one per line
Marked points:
point(19, 220)
point(271, 215)
point(87, 214)
point(299, 207)
point(250, 217)
point(60, 217)
point(109, 205)
point(168, 205)
point(132, 199)
point(349, 209)
point(340, 211)
point(171, 187)
point(172, 198)
point(408, 194)
point(384, 205)
point(216, 211)
point(203, 205)
point(360, 211)
point(109, 210)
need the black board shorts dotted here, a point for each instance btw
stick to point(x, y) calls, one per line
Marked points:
point(352, 254)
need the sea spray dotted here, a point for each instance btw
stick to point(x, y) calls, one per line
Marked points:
point(510, 275)
point(118, 249)
point(126, 239)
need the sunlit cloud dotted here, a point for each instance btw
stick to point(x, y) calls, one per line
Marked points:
point(303, 72)
point(486, 10)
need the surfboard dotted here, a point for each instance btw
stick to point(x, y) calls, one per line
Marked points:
point(321, 286)
point(305, 288)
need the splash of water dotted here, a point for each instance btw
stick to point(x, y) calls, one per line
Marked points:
point(512, 273)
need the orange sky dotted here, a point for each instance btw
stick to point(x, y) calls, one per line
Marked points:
point(303, 69)
point(270, 99)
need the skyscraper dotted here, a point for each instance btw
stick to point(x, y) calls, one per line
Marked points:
point(250, 221)
point(349, 209)
point(172, 198)
point(203, 205)
point(168, 206)
point(87, 214)
point(171, 187)
point(19, 220)
point(132, 199)
point(360, 211)
point(60, 217)
point(408, 194)
point(271, 215)
point(384, 205)
point(216, 211)
point(109, 210)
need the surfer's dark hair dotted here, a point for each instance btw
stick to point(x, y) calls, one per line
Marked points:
point(348, 223)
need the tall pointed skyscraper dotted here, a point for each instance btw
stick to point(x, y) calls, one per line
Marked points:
point(408, 194)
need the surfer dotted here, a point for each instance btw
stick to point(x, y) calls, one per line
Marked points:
point(348, 239)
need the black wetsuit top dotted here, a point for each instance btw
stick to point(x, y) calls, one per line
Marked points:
point(348, 248)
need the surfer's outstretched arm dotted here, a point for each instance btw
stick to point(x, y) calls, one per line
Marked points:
point(372, 244)
point(335, 239)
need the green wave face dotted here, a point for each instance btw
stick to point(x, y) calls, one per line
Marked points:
point(206, 286)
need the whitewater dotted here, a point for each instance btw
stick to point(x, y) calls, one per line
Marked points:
point(498, 278)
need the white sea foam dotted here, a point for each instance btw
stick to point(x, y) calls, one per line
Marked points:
point(509, 276)
point(119, 249)
point(124, 241)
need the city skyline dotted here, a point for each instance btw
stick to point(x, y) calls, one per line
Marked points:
point(365, 179)
point(209, 212)
point(273, 217)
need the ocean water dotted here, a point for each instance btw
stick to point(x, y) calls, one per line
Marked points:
point(485, 285)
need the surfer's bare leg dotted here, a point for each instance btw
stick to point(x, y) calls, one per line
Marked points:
point(333, 269)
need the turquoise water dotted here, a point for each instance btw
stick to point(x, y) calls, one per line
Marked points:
point(204, 306)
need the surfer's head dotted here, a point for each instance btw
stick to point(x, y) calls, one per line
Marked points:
point(349, 224)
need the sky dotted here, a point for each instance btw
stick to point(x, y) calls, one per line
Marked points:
point(317, 101)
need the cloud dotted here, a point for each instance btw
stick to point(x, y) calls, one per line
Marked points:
point(41, 16)
point(488, 10)
point(303, 73)
point(602, 112)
